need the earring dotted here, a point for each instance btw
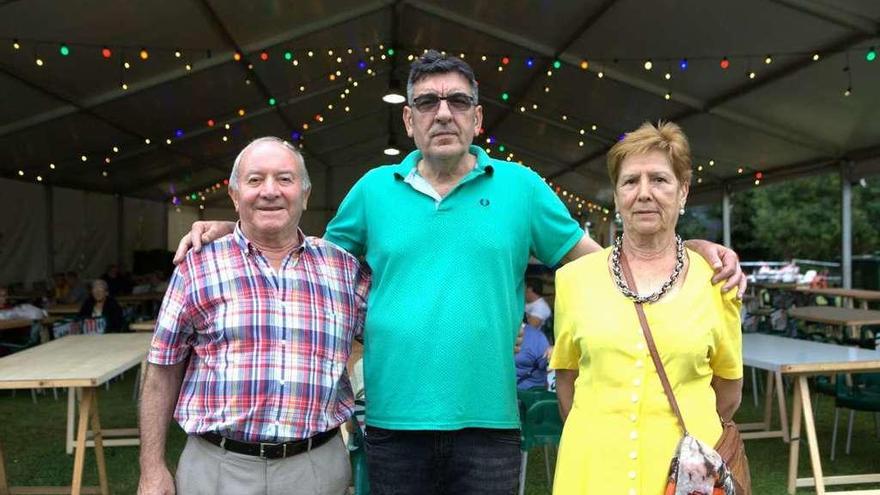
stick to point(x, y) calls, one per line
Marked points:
point(617, 217)
point(681, 211)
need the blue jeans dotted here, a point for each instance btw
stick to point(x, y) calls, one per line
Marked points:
point(470, 461)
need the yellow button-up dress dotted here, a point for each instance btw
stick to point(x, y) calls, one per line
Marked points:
point(621, 432)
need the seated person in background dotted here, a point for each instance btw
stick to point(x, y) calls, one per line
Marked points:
point(101, 304)
point(532, 358)
point(77, 292)
point(59, 288)
point(158, 282)
point(537, 309)
point(4, 294)
point(118, 282)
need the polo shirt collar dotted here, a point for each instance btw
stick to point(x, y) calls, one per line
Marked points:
point(248, 247)
point(408, 166)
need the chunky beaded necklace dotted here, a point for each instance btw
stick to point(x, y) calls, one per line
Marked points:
point(650, 298)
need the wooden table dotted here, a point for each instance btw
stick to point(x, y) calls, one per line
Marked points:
point(13, 324)
point(143, 326)
point(842, 317)
point(801, 359)
point(63, 309)
point(139, 298)
point(849, 295)
point(45, 331)
point(84, 363)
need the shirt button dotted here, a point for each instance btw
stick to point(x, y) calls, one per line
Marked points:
point(633, 454)
point(633, 435)
point(637, 382)
point(632, 475)
point(634, 398)
point(638, 363)
point(632, 418)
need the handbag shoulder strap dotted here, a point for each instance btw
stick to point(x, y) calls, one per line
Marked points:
point(652, 348)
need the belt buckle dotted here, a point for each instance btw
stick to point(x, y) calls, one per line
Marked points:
point(262, 450)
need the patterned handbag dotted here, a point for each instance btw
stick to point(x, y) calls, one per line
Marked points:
point(696, 468)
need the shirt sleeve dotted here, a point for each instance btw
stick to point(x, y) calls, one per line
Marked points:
point(726, 361)
point(553, 231)
point(348, 229)
point(172, 340)
point(566, 353)
point(362, 289)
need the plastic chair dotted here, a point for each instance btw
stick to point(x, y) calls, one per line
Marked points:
point(541, 426)
point(862, 395)
point(530, 396)
point(357, 451)
point(358, 458)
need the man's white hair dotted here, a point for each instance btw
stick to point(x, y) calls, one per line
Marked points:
point(233, 176)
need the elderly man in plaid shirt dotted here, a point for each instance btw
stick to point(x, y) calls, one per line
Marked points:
point(250, 347)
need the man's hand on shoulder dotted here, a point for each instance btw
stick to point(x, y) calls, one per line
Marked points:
point(201, 233)
point(724, 261)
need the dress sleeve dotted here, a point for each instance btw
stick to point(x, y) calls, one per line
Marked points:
point(566, 353)
point(726, 360)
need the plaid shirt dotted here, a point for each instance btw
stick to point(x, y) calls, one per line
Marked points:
point(267, 351)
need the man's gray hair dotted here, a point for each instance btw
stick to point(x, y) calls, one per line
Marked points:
point(233, 176)
point(433, 62)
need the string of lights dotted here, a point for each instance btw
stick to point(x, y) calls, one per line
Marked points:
point(367, 55)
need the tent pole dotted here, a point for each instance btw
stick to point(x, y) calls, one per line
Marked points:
point(725, 214)
point(846, 224)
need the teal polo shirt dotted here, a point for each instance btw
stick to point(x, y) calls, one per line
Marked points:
point(447, 296)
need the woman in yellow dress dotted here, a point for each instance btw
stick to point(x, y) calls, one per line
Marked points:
point(620, 432)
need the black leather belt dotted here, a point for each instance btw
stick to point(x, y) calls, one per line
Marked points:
point(270, 450)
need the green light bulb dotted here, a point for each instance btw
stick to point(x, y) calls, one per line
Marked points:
point(557, 64)
point(505, 96)
point(64, 50)
point(288, 56)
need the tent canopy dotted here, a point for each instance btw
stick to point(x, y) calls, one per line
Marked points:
point(559, 83)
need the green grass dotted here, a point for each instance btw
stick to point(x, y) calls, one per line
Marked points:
point(33, 442)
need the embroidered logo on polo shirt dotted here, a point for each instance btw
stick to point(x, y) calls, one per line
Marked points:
point(484, 202)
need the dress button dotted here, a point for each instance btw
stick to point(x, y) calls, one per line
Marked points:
point(632, 475)
point(638, 363)
point(633, 417)
point(633, 454)
point(633, 435)
point(634, 398)
point(640, 346)
point(632, 491)
point(637, 382)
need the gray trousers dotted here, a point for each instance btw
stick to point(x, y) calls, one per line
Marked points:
point(206, 469)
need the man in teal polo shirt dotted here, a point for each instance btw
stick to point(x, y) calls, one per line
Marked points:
point(448, 233)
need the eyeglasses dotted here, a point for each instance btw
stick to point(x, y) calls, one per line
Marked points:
point(457, 102)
